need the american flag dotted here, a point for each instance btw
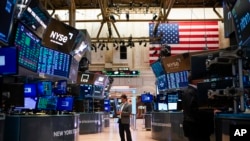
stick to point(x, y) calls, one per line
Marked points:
point(188, 36)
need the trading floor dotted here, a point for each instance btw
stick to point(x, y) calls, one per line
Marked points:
point(111, 133)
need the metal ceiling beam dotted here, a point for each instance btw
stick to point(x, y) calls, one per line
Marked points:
point(146, 20)
point(72, 13)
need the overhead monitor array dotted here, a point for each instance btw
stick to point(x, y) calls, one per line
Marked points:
point(45, 45)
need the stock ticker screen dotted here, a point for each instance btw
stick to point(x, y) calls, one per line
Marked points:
point(28, 45)
point(53, 62)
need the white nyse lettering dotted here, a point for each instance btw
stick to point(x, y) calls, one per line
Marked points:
point(240, 132)
point(70, 35)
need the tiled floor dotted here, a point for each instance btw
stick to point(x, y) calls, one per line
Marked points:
point(111, 133)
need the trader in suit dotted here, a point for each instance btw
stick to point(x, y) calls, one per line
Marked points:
point(197, 123)
point(124, 118)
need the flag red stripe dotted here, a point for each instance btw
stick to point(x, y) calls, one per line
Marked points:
point(198, 36)
point(197, 48)
point(198, 42)
point(197, 30)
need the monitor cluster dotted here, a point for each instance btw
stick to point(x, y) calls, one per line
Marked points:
point(40, 96)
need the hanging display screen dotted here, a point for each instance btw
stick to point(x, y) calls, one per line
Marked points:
point(7, 10)
point(53, 62)
point(59, 36)
point(28, 45)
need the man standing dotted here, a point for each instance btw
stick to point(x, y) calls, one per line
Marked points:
point(197, 122)
point(124, 118)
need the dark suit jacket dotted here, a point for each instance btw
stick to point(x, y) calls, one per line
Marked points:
point(126, 112)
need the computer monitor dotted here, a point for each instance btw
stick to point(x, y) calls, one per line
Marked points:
point(157, 68)
point(29, 104)
point(35, 17)
point(13, 94)
point(30, 90)
point(44, 88)
point(28, 45)
point(7, 10)
point(162, 106)
point(8, 60)
point(173, 101)
point(60, 87)
point(53, 62)
point(146, 98)
point(162, 82)
point(86, 90)
point(65, 103)
point(47, 103)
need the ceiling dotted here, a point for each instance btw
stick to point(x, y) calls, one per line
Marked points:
point(96, 4)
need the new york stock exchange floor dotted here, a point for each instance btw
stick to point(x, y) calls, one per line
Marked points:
point(111, 133)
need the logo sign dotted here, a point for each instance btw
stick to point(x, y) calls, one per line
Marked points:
point(59, 36)
point(240, 132)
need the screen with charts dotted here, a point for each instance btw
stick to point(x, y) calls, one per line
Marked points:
point(35, 17)
point(44, 88)
point(241, 16)
point(162, 82)
point(157, 68)
point(28, 45)
point(172, 101)
point(47, 103)
point(53, 62)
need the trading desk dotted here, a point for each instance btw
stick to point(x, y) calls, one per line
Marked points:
point(223, 123)
point(91, 122)
point(41, 128)
point(2, 118)
point(167, 126)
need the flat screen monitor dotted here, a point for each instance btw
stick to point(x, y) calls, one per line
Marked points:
point(35, 17)
point(98, 91)
point(7, 10)
point(8, 60)
point(172, 101)
point(86, 90)
point(157, 68)
point(29, 104)
point(162, 82)
point(30, 90)
point(53, 62)
point(60, 87)
point(106, 102)
point(44, 88)
point(65, 103)
point(171, 81)
point(73, 89)
point(146, 98)
point(162, 98)
point(100, 80)
point(13, 94)
point(28, 45)
point(47, 103)
point(59, 36)
point(241, 16)
point(162, 106)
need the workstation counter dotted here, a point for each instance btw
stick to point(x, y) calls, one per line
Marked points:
point(225, 122)
point(41, 128)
